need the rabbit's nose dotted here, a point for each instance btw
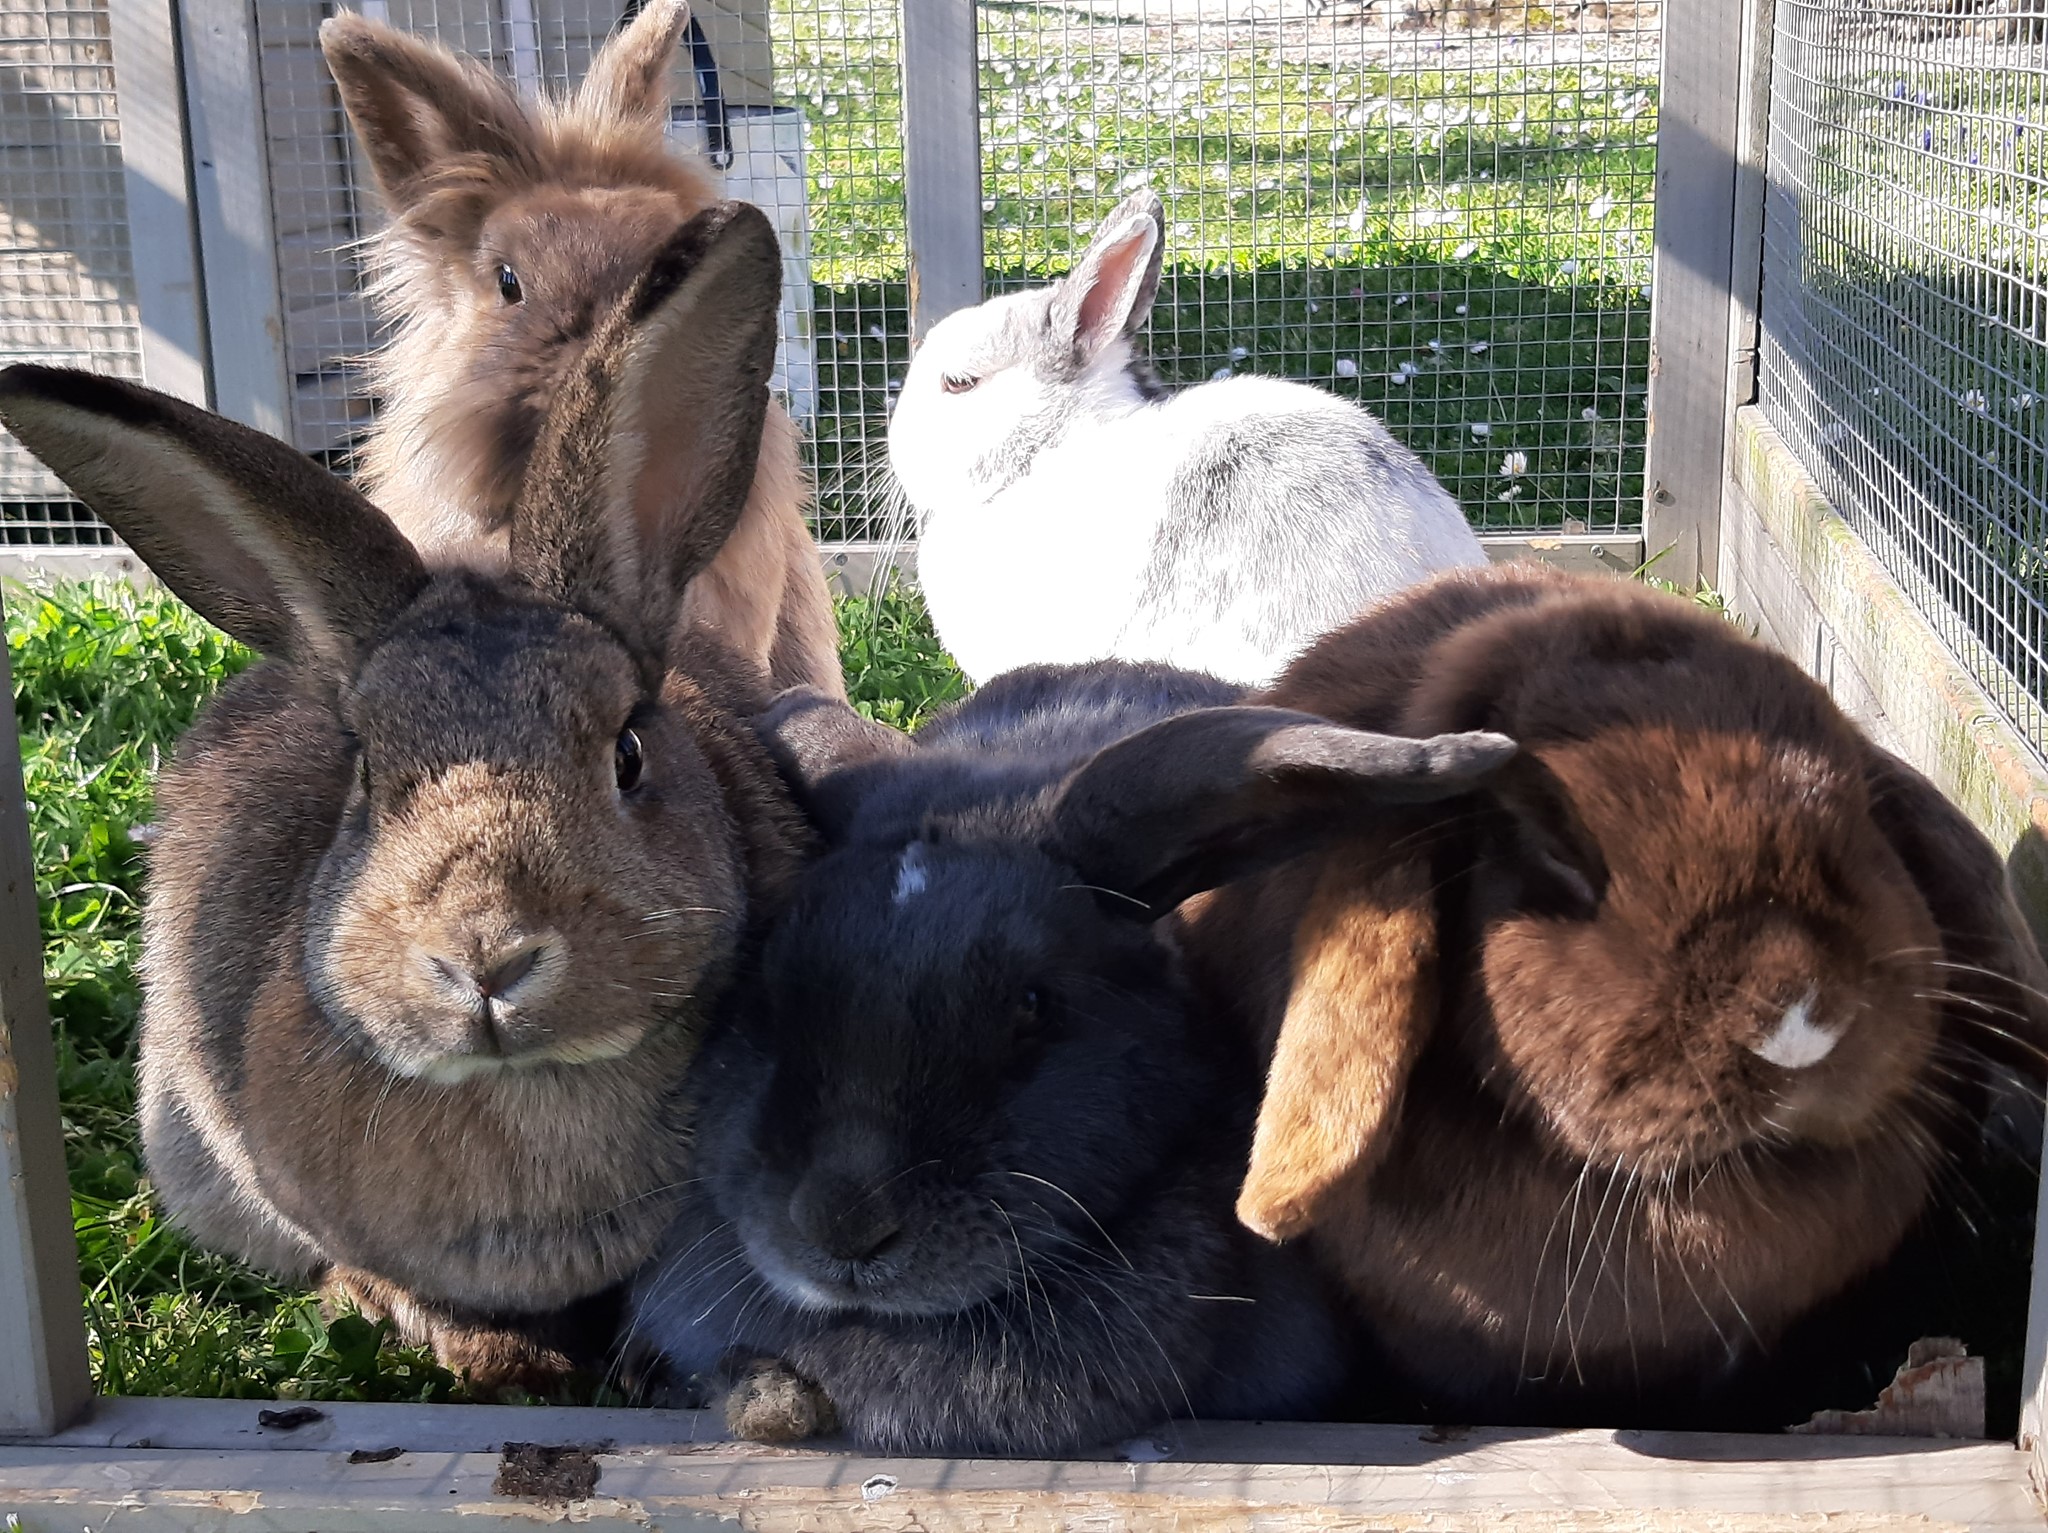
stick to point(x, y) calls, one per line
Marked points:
point(498, 972)
point(846, 1220)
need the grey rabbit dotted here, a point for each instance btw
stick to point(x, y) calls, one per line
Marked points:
point(967, 1153)
point(445, 883)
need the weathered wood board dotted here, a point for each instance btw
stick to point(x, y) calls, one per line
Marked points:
point(661, 1469)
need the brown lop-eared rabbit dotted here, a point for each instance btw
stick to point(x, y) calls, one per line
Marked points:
point(514, 228)
point(1590, 1090)
point(445, 883)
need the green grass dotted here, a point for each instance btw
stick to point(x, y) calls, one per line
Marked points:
point(1463, 250)
point(895, 670)
point(105, 679)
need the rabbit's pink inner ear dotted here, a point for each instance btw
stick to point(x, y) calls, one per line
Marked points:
point(1360, 1007)
point(1113, 281)
point(629, 78)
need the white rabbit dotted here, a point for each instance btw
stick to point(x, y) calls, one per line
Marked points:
point(1069, 508)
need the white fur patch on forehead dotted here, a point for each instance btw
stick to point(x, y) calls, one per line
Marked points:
point(1798, 1042)
point(911, 876)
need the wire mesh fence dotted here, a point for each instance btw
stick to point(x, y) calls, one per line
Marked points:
point(67, 278)
point(837, 61)
point(1440, 209)
point(1904, 307)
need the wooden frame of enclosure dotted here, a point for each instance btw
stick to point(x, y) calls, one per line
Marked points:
point(1725, 501)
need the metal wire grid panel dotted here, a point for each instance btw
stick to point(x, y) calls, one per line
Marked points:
point(1904, 309)
point(1441, 208)
point(67, 279)
point(1443, 212)
point(837, 62)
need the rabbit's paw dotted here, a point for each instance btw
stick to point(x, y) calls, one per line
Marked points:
point(497, 1361)
point(501, 1363)
point(770, 1402)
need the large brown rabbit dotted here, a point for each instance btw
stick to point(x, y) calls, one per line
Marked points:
point(1590, 1091)
point(514, 228)
point(445, 884)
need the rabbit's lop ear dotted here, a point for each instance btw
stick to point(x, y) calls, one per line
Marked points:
point(419, 111)
point(827, 752)
point(1362, 997)
point(1109, 292)
point(647, 455)
point(628, 80)
point(260, 539)
point(1989, 957)
point(1210, 796)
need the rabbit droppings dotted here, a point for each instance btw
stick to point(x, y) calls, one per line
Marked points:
point(514, 229)
point(444, 883)
point(966, 1154)
point(1068, 508)
point(1589, 1094)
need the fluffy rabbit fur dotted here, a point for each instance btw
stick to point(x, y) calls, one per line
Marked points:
point(966, 1156)
point(514, 229)
point(1589, 1093)
point(1224, 526)
point(444, 883)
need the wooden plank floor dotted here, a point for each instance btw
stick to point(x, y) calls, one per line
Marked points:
point(190, 1464)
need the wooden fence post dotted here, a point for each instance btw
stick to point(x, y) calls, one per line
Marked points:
point(156, 172)
point(1700, 108)
point(44, 1380)
point(941, 159)
point(237, 230)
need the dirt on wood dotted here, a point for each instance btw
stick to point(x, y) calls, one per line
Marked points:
point(538, 1472)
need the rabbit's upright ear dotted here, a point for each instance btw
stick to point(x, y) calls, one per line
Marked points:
point(259, 538)
point(827, 752)
point(420, 111)
point(1989, 958)
point(1210, 796)
point(648, 452)
point(628, 80)
point(1109, 292)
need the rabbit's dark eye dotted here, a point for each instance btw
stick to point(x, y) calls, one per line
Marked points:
point(627, 760)
point(954, 383)
point(363, 773)
point(508, 285)
point(1027, 1017)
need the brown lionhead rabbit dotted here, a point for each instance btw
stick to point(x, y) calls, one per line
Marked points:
point(1592, 1089)
point(445, 883)
point(514, 229)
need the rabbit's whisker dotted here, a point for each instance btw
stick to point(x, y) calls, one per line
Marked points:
point(1536, 1283)
point(1055, 1187)
point(1115, 894)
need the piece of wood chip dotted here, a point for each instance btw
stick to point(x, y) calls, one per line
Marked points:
point(1939, 1392)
